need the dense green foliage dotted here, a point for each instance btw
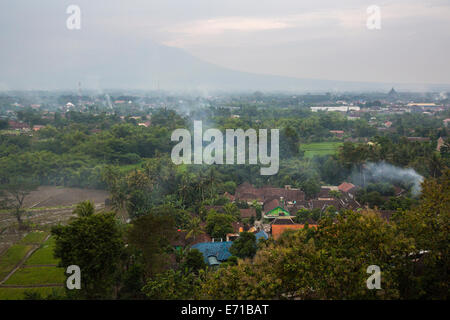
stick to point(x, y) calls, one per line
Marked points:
point(94, 243)
point(244, 246)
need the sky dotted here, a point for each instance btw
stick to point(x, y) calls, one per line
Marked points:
point(320, 39)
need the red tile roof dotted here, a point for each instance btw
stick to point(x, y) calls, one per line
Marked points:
point(346, 186)
point(247, 192)
point(247, 213)
point(271, 205)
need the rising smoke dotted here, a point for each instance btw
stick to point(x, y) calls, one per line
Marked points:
point(385, 172)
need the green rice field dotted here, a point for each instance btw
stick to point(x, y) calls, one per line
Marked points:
point(320, 148)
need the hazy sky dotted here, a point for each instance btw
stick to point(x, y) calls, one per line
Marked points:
point(322, 39)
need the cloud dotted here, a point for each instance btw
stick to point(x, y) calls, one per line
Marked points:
point(223, 28)
point(312, 24)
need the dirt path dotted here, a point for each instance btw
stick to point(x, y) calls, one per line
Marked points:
point(29, 253)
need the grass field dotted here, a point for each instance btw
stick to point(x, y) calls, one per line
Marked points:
point(34, 237)
point(12, 257)
point(320, 148)
point(32, 272)
point(43, 255)
point(37, 275)
point(19, 293)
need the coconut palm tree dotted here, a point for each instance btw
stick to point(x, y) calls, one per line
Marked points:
point(84, 209)
point(194, 228)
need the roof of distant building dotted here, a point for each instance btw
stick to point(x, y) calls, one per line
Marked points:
point(282, 221)
point(247, 192)
point(346, 186)
point(261, 235)
point(219, 250)
point(272, 204)
point(248, 213)
point(418, 138)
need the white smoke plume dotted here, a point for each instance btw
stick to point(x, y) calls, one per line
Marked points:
point(383, 171)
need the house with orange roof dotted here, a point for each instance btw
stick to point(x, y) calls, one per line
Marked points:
point(346, 187)
point(37, 127)
point(337, 133)
point(280, 225)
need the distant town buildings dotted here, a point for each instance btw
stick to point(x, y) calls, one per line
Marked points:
point(37, 127)
point(335, 108)
point(337, 133)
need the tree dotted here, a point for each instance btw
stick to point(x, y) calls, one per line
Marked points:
point(194, 261)
point(354, 155)
point(311, 187)
point(94, 243)
point(172, 285)
point(139, 187)
point(258, 209)
point(232, 210)
point(84, 209)
point(219, 224)
point(327, 263)
point(289, 143)
point(195, 228)
point(152, 235)
point(428, 225)
point(13, 195)
point(244, 246)
point(3, 124)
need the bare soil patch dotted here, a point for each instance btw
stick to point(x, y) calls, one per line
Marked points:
point(48, 196)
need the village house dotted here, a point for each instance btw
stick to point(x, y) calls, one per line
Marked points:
point(216, 252)
point(248, 193)
point(279, 202)
point(273, 209)
point(37, 127)
point(347, 187)
point(14, 125)
point(144, 124)
point(280, 225)
point(337, 133)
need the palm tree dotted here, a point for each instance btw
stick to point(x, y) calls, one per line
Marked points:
point(180, 253)
point(212, 177)
point(195, 228)
point(183, 187)
point(84, 209)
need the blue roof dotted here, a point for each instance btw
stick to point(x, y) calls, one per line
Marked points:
point(261, 235)
point(220, 250)
point(212, 260)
